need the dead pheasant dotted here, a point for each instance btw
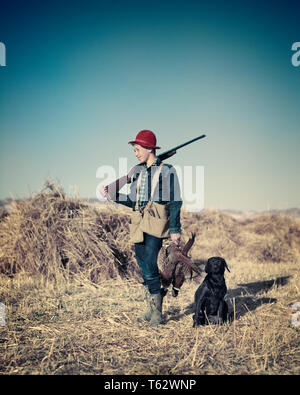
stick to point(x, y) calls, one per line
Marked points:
point(173, 264)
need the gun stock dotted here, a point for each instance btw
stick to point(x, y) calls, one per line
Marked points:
point(167, 154)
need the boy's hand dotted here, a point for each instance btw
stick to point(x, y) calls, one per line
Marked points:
point(175, 237)
point(104, 192)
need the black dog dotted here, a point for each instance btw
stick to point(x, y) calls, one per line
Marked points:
point(210, 306)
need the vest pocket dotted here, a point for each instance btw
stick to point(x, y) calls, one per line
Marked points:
point(155, 221)
point(136, 234)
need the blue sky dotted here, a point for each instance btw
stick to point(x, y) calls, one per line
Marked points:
point(83, 77)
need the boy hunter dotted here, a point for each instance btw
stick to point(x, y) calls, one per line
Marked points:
point(156, 202)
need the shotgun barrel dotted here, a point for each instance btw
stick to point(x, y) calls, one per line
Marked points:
point(172, 151)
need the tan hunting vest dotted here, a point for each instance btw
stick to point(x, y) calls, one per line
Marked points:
point(155, 217)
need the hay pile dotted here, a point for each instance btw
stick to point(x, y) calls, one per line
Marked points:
point(264, 238)
point(57, 235)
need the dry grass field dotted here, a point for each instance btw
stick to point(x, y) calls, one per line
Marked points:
point(72, 292)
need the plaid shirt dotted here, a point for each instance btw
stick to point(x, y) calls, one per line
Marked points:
point(173, 199)
point(143, 195)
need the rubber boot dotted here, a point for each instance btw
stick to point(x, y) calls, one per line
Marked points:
point(156, 304)
point(148, 313)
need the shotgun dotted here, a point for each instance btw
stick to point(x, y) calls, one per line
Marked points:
point(120, 182)
point(172, 151)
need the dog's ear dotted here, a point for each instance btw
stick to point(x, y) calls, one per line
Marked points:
point(208, 266)
point(226, 266)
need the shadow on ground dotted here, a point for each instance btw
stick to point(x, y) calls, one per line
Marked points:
point(246, 298)
point(241, 300)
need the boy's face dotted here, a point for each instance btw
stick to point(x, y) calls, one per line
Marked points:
point(142, 153)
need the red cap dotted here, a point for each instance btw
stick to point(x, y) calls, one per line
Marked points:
point(146, 139)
